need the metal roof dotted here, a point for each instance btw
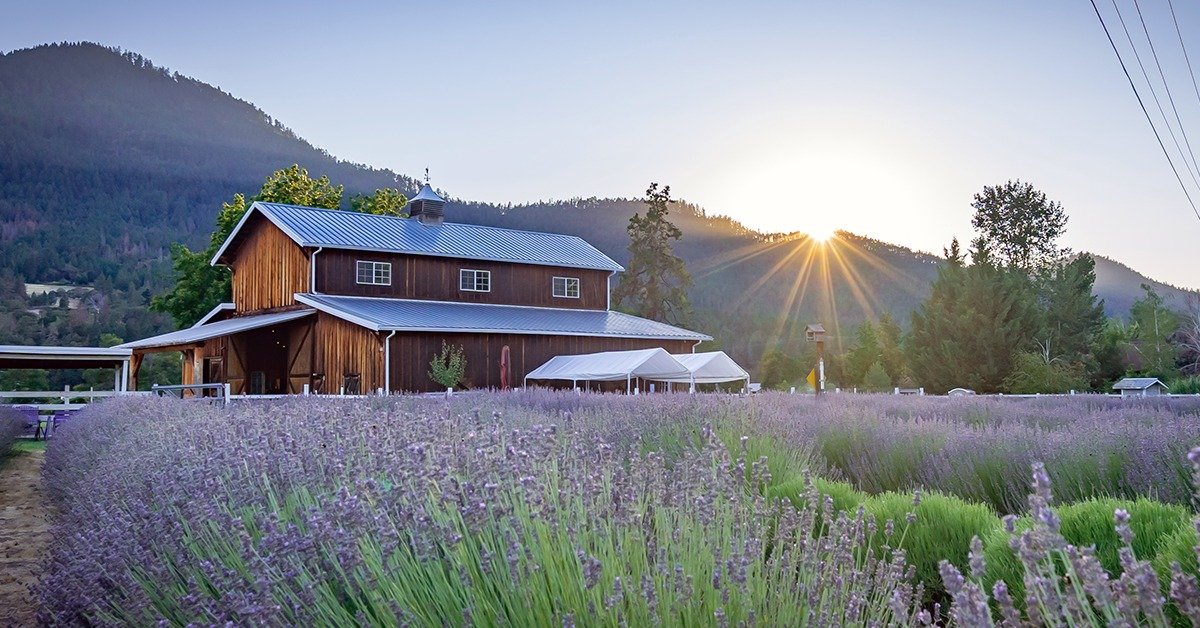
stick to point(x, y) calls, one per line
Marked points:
point(312, 227)
point(442, 316)
point(192, 335)
point(217, 309)
point(30, 357)
point(1137, 383)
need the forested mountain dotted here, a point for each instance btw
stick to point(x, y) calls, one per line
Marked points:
point(107, 159)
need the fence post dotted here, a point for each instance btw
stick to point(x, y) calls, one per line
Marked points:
point(305, 393)
point(225, 389)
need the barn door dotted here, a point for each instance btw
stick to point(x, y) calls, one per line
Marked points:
point(300, 358)
point(235, 367)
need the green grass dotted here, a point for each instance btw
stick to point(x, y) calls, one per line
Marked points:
point(25, 445)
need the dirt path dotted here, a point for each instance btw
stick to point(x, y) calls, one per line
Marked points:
point(24, 525)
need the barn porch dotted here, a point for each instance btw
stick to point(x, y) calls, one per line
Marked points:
point(266, 354)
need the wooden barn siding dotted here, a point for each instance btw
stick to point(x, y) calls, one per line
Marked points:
point(412, 352)
point(343, 348)
point(268, 268)
point(436, 278)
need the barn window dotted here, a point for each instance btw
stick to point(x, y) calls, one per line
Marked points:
point(475, 280)
point(566, 287)
point(375, 273)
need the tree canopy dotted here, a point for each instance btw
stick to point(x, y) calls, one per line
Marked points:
point(1019, 225)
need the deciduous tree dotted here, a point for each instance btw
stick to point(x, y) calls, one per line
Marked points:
point(1152, 324)
point(1019, 225)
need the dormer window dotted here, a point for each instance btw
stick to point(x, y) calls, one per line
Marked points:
point(474, 280)
point(566, 287)
point(374, 273)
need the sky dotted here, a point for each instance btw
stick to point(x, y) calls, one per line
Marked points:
point(879, 118)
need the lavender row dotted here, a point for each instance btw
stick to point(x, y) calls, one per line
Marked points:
point(417, 512)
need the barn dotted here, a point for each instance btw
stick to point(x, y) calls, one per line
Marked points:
point(344, 302)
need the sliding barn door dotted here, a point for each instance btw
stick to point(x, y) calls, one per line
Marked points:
point(300, 358)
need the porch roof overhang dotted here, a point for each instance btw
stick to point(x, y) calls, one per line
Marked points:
point(185, 338)
point(30, 357)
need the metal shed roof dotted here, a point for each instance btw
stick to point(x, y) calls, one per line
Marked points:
point(31, 357)
point(1137, 383)
point(442, 316)
point(312, 227)
point(228, 326)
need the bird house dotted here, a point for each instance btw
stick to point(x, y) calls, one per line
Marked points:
point(814, 332)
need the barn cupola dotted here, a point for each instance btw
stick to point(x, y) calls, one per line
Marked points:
point(427, 207)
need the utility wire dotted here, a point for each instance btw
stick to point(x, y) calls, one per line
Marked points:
point(1161, 111)
point(1167, 87)
point(1179, 34)
point(1145, 112)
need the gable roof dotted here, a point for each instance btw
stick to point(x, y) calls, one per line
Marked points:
point(1137, 383)
point(379, 314)
point(312, 227)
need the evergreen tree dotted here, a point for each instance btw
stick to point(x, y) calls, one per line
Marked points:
point(1073, 317)
point(656, 282)
point(865, 353)
point(975, 321)
point(1109, 350)
point(779, 370)
point(891, 349)
point(876, 379)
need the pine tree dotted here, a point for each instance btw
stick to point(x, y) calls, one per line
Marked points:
point(656, 282)
point(1073, 316)
point(975, 321)
point(876, 379)
point(865, 353)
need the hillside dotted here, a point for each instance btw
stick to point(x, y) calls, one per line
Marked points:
point(107, 159)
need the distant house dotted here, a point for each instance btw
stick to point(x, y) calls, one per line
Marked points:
point(338, 301)
point(1141, 387)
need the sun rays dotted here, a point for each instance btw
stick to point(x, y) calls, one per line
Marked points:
point(807, 274)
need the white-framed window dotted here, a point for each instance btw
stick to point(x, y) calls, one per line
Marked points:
point(374, 273)
point(566, 287)
point(475, 280)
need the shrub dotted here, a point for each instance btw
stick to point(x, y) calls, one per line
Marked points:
point(941, 529)
point(447, 368)
point(1032, 374)
point(1185, 385)
point(844, 497)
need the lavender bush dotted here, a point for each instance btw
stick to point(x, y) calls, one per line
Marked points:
point(12, 425)
point(427, 512)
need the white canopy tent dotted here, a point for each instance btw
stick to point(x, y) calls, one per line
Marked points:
point(712, 367)
point(612, 366)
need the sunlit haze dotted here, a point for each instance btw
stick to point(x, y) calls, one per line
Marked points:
point(881, 119)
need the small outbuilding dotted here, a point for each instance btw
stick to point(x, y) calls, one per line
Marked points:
point(1141, 387)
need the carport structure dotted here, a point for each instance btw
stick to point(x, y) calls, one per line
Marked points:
point(51, 358)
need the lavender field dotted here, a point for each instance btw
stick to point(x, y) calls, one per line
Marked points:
point(546, 508)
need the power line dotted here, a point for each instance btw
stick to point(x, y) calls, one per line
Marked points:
point(1145, 112)
point(1179, 34)
point(1167, 87)
point(1158, 103)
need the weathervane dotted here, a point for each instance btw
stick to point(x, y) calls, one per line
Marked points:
point(426, 175)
